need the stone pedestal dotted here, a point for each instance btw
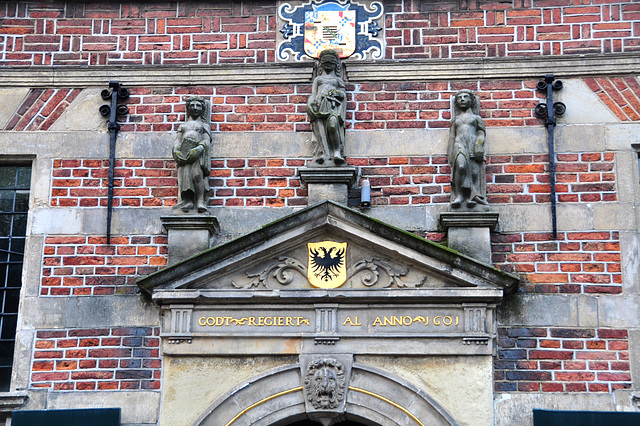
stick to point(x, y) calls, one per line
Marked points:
point(328, 183)
point(469, 233)
point(188, 235)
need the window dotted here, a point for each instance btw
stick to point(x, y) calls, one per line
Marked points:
point(14, 204)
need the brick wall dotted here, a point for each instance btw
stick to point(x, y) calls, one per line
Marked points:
point(371, 106)
point(620, 94)
point(71, 33)
point(428, 105)
point(419, 180)
point(580, 177)
point(234, 108)
point(86, 265)
point(561, 360)
point(97, 359)
point(456, 29)
point(137, 183)
point(41, 109)
point(575, 262)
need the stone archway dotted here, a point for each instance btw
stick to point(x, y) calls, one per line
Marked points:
point(374, 398)
point(345, 423)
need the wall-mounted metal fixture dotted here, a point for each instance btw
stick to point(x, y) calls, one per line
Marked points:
point(549, 111)
point(365, 194)
point(116, 94)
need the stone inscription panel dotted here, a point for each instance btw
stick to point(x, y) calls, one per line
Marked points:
point(258, 321)
point(401, 320)
point(339, 320)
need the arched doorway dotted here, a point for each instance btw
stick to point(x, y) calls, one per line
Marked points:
point(312, 423)
point(375, 398)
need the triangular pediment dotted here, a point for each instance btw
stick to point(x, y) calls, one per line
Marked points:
point(378, 260)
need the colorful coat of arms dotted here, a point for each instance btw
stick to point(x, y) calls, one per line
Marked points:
point(348, 26)
point(327, 266)
point(330, 26)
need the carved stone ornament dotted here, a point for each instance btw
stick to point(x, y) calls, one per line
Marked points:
point(309, 27)
point(325, 383)
point(192, 153)
point(327, 110)
point(365, 272)
point(466, 153)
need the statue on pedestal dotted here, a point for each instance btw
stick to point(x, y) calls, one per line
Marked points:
point(192, 155)
point(327, 108)
point(466, 152)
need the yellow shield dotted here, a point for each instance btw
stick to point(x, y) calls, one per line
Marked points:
point(327, 266)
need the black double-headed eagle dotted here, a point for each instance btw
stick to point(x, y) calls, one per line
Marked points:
point(326, 266)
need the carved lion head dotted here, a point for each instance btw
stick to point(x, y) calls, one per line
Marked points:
point(325, 383)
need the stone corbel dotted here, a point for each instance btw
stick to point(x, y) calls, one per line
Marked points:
point(326, 325)
point(475, 322)
point(176, 326)
point(469, 233)
point(328, 183)
point(10, 401)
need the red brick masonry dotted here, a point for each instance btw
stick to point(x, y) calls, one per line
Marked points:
point(85, 265)
point(586, 177)
point(76, 33)
point(120, 358)
point(561, 360)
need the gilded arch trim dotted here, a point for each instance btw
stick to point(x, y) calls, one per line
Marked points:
point(277, 395)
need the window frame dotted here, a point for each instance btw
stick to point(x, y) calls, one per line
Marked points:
point(12, 262)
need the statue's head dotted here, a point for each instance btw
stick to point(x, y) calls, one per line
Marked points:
point(466, 99)
point(196, 106)
point(329, 59)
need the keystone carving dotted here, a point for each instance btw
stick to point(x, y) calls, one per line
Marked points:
point(325, 383)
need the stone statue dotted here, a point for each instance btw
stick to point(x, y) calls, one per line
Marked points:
point(327, 107)
point(466, 152)
point(192, 155)
point(325, 383)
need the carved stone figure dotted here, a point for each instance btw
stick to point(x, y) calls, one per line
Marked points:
point(466, 152)
point(192, 155)
point(327, 108)
point(325, 383)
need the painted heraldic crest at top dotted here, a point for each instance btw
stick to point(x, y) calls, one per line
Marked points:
point(327, 267)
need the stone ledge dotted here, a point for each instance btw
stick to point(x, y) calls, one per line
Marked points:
point(343, 175)
point(9, 401)
point(469, 219)
point(155, 76)
point(301, 73)
point(490, 68)
point(198, 222)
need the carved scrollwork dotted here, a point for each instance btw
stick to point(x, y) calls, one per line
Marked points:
point(282, 271)
point(368, 273)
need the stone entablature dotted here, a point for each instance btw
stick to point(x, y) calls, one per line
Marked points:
point(401, 295)
point(391, 329)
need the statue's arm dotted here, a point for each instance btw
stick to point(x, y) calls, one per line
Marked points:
point(206, 136)
point(314, 92)
point(478, 149)
point(177, 155)
point(312, 107)
point(452, 141)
